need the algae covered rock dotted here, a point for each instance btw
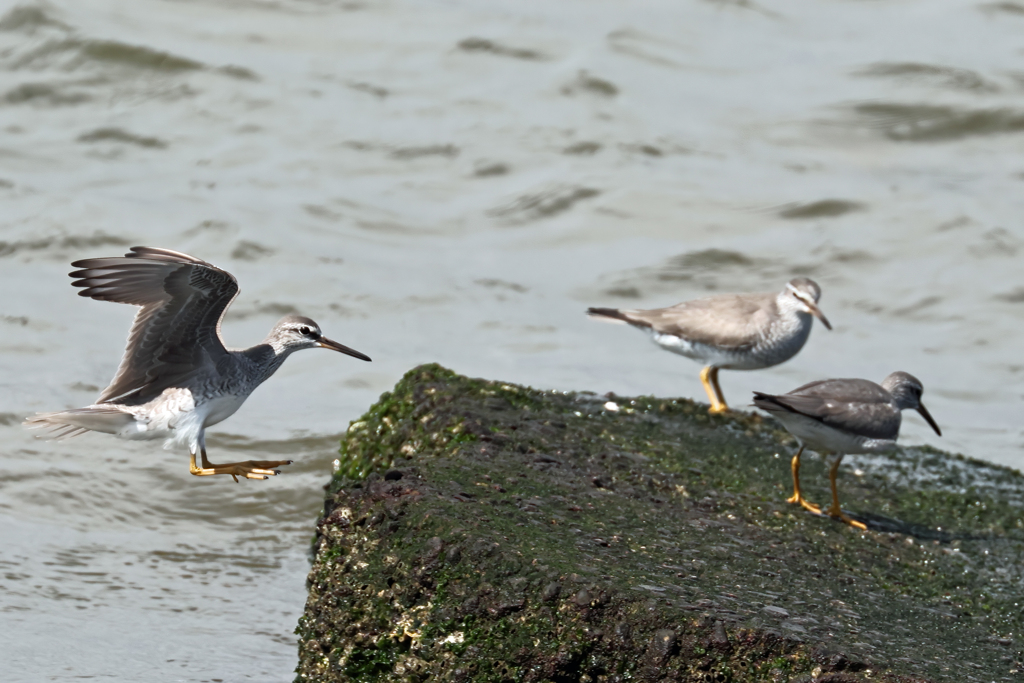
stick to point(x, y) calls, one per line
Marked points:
point(482, 531)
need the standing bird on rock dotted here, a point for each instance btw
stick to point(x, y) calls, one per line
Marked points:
point(732, 331)
point(842, 416)
point(176, 377)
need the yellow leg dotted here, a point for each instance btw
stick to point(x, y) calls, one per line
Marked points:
point(250, 469)
point(718, 391)
point(797, 497)
point(835, 511)
point(709, 378)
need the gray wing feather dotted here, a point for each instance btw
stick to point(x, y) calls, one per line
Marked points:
point(857, 406)
point(177, 330)
point(731, 321)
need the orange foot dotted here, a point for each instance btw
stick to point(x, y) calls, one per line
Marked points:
point(797, 499)
point(836, 513)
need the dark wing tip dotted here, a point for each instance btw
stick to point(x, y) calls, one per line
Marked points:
point(147, 276)
point(766, 401)
point(161, 254)
point(775, 404)
point(137, 254)
point(145, 253)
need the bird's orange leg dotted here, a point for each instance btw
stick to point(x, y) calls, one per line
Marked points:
point(250, 469)
point(709, 378)
point(797, 498)
point(835, 511)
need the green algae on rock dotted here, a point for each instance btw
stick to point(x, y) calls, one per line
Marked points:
point(482, 531)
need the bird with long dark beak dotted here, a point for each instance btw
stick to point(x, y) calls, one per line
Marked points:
point(731, 331)
point(176, 377)
point(844, 416)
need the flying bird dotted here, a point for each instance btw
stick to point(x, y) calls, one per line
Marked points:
point(731, 331)
point(844, 416)
point(176, 377)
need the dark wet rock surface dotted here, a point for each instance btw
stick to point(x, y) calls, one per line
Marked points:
point(481, 531)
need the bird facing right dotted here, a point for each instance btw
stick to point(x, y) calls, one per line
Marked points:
point(844, 416)
point(731, 331)
point(176, 377)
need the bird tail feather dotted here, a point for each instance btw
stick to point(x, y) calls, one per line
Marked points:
point(608, 315)
point(70, 423)
point(767, 402)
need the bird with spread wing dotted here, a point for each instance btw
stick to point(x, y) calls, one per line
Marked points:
point(176, 377)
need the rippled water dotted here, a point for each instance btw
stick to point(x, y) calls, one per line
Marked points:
point(458, 181)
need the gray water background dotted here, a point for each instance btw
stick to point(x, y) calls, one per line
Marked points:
point(457, 182)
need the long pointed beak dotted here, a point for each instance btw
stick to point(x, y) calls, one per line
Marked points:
point(325, 343)
point(818, 314)
point(928, 418)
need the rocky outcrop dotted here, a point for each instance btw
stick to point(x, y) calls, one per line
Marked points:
point(481, 531)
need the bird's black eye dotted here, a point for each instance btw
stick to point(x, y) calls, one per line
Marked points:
point(306, 331)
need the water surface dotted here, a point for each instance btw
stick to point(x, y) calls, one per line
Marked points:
point(457, 182)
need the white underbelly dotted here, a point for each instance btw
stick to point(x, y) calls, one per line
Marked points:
point(162, 417)
point(174, 416)
point(708, 355)
point(821, 437)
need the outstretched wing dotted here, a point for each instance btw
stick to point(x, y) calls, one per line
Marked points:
point(177, 330)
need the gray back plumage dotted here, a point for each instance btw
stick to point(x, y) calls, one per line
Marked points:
point(734, 322)
point(730, 321)
point(177, 330)
point(856, 406)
